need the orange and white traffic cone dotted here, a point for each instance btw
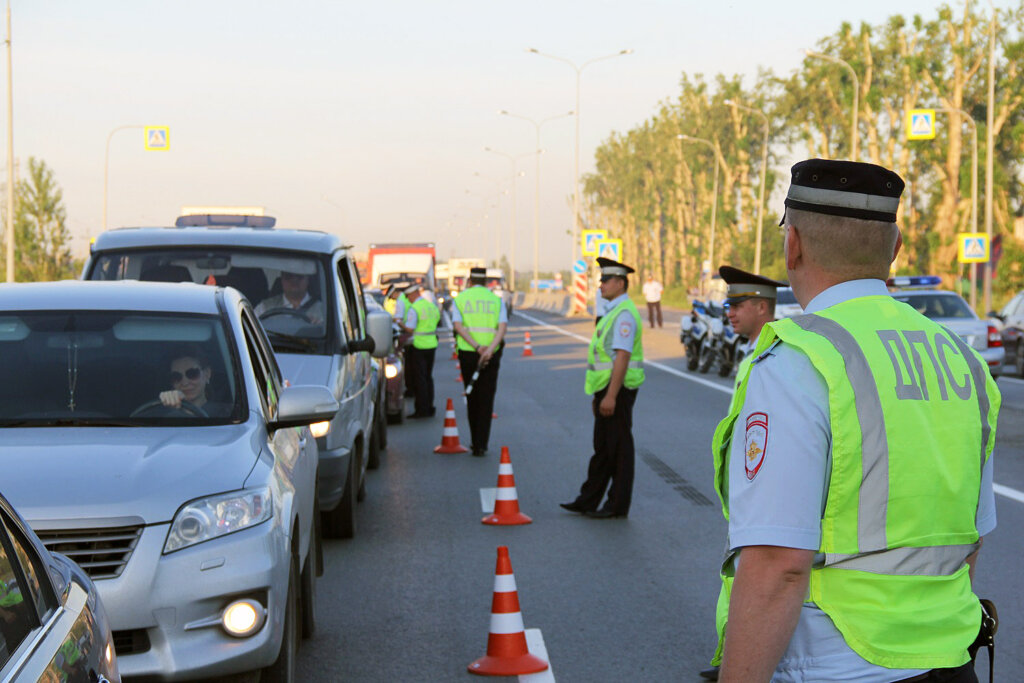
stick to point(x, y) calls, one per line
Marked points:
point(507, 652)
point(458, 378)
point(506, 505)
point(527, 349)
point(450, 435)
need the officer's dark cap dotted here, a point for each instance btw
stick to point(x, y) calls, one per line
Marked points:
point(611, 268)
point(478, 273)
point(845, 188)
point(743, 285)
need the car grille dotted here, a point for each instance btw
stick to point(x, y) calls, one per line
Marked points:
point(102, 552)
point(133, 642)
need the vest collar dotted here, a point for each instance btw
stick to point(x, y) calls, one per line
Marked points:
point(844, 291)
point(616, 301)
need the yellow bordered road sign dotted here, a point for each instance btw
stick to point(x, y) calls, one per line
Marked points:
point(588, 240)
point(972, 247)
point(610, 249)
point(157, 138)
point(920, 124)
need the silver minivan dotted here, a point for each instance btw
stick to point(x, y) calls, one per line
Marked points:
point(305, 290)
point(148, 436)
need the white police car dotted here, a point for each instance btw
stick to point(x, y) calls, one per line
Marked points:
point(950, 309)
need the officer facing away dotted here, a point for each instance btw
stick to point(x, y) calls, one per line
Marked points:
point(421, 321)
point(859, 468)
point(750, 301)
point(480, 320)
point(615, 371)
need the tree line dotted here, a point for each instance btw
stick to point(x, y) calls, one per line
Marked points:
point(42, 239)
point(655, 191)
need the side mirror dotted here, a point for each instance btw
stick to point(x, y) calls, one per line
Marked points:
point(303, 405)
point(378, 327)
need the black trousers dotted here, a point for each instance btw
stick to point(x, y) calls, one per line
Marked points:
point(614, 456)
point(480, 402)
point(960, 674)
point(421, 362)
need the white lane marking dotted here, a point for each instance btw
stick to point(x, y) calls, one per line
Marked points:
point(998, 488)
point(653, 364)
point(535, 644)
point(487, 498)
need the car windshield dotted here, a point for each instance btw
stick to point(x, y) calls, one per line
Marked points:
point(786, 296)
point(101, 368)
point(288, 290)
point(937, 306)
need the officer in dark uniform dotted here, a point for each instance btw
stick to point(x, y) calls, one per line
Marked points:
point(615, 372)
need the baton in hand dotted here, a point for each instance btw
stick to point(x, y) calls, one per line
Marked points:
point(472, 382)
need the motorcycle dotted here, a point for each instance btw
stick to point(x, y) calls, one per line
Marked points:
point(710, 340)
point(693, 332)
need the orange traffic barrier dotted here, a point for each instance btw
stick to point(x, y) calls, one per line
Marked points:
point(527, 349)
point(450, 435)
point(507, 652)
point(506, 505)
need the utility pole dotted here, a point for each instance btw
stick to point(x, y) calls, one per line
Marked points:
point(989, 143)
point(10, 155)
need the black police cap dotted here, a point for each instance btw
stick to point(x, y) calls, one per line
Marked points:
point(845, 188)
point(609, 267)
point(743, 285)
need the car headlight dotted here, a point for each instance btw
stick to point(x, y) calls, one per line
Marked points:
point(391, 371)
point(320, 429)
point(207, 518)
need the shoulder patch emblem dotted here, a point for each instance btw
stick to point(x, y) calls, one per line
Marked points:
point(624, 329)
point(755, 443)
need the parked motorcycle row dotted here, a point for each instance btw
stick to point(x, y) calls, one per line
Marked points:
point(709, 339)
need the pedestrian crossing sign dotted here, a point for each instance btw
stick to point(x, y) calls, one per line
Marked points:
point(157, 138)
point(973, 247)
point(590, 238)
point(610, 249)
point(920, 124)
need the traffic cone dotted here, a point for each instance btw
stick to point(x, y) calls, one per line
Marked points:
point(458, 378)
point(527, 349)
point(506, 506)
point(450, 435)
point(507, 653)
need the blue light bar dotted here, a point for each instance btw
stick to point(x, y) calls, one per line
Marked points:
point(914, 281)
point(224, 221)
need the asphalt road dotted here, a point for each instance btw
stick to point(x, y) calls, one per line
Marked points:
point(408, 599)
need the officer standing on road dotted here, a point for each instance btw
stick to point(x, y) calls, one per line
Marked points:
point(480, 320)
point(421, 321)
point(859, 469)
point(750, 301)
point(615, 371)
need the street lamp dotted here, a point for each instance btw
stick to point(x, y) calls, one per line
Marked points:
point(512, 250)
point(764, 173)
point(536, 184)
point(969, 120)
point(714, 193)
point(576, 166)
point(856, 94)
point(106, 168)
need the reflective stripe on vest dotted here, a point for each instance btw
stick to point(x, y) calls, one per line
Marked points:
point(600, 353)
point(480, 309)
point(633, 364)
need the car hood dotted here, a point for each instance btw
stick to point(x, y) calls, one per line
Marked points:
point(300, 368)
point(974, 332)
point(104, 473)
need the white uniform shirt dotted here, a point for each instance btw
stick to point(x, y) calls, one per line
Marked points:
point(623, 328)
point(782, 505)
point(652, 291)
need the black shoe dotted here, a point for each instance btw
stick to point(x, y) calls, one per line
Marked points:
point(603, 514)
point(432, 412)
point(710, 674)
point(479, 452)
point(573, 507)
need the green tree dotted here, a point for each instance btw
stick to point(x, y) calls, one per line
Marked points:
point(42, 239)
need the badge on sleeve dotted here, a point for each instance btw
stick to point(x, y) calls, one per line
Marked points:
point(624, 330)
point(756, 443)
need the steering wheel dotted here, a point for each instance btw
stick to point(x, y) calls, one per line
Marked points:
point(157, 406)
point(284, 310)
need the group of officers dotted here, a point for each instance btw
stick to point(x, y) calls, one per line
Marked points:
point(854, 463)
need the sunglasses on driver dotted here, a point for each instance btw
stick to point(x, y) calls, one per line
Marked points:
point(191, 373)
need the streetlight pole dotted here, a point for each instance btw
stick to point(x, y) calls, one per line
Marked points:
point(764, 173)
point(969, 120)
point(536, 185)
point(989, 142)
point(576, 165)
point(106, 168)
point(856, 95)
point(512, 249)
point(714, 193)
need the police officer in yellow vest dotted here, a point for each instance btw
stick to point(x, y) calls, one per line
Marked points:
point(480, 320)
point(615, 371)
point(750, 301)
point(859, 468)
point(421, 321)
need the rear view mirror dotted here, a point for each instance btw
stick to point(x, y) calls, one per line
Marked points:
point(303, 405)
point(378, 327)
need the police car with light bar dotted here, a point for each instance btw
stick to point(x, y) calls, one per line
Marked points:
point(950, 309)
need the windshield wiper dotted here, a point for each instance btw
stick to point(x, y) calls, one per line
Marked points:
point(288, 342)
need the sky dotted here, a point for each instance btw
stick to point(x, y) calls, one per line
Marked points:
point(369, 119)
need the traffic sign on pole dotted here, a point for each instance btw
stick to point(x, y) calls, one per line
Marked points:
point(579, 266)
point(610, 249)
point(972, 247)
point(920, 124)
point(157, 138)
point(589, 239)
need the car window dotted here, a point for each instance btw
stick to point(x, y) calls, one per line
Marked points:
point(17, 616)
point(353, 294)
point(116, 368)
point(264, 366)
point(1015, 308)
point(289, 291)
point(937, 306)
point(36, 578)
point(786, 296)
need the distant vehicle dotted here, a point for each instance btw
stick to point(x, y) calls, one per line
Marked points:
point(389, 263)
point(1011, 329)
point(61, 631)
point(496, 283)
point(328, 340)
point(458, 272)
point(148, 434)
point(786, 305)
point(393, 367)
point(950, 309)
